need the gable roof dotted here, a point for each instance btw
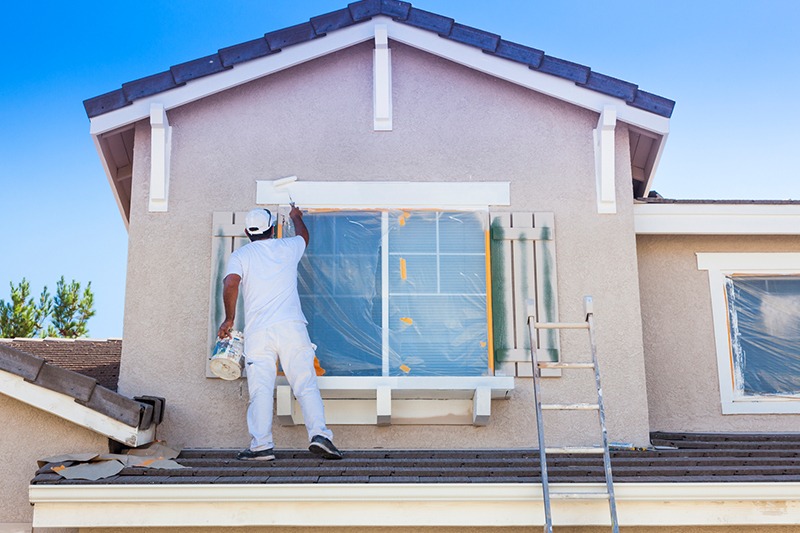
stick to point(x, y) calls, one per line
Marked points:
point(95, 358)
point(364, 10)
point(114, 114)
point(74, 396)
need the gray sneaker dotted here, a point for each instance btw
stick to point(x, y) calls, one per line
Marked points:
point(260, 455)
point(322, 446)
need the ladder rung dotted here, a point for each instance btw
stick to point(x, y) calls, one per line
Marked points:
point(570, 406)
point(575, 449)
point(561, 325)
point(578, 495)
point(566, 365)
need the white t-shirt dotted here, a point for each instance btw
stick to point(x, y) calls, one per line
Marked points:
point(268, 269)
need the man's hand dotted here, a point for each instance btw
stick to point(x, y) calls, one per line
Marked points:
point(225, 329)
point(295, 212)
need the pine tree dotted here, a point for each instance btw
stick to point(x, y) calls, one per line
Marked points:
point(71, 310)
point(22, 317)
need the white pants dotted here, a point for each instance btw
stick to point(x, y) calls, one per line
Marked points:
point(288, 341)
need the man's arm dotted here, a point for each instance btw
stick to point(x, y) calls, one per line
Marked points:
point(230, 293)
point(299, 226)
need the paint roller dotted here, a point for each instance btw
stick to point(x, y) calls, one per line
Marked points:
point(284, 182)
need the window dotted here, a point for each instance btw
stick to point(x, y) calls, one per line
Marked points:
point(756, 305)
point(397, 292)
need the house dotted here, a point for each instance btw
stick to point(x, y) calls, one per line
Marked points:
point(449, 176)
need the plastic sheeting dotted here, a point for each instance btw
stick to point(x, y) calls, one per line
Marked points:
point(764, 315)
point(397, 293)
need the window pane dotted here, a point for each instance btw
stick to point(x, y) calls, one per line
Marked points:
point(764, 315)
point(339, 285)
point(437, 299)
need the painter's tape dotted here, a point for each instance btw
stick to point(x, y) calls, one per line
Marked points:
point(403, 270)
point(405, 368)
point(406, 320)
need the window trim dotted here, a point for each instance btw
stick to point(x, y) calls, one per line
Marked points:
point(720, 265)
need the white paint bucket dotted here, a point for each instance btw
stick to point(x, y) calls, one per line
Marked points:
point(227, 361)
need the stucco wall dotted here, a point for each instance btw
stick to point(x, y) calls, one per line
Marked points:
point(29, 434)
point(315, 121)
point(680, 357)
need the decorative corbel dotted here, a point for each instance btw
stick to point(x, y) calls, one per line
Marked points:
point(160, 144)
point(605, 165)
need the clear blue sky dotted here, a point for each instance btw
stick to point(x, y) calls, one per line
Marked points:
point(732, 66)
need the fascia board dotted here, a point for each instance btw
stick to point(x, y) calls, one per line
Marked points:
point(716, 219)
point(65, 407)
point(473, 504)
point(421, 39)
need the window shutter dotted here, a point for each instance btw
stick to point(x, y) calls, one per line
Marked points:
point(523, 266)
point(227, 235)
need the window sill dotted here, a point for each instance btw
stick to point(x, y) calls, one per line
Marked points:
point(385, 401)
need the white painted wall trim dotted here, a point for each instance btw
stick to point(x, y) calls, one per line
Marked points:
point(66, 407)
point(382, 80)
point(469, 56)
point(160, 148)
point(471, 195)
point(718, 266)
point(605, 161)
point(385, 400)
point(716, 219)
point(477, 504)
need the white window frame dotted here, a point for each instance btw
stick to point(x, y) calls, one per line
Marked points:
point(720, 265)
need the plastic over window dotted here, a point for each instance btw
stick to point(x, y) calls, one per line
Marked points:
point(397, 293)
point(764, 327)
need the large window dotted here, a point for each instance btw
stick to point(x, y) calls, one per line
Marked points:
point(397, 293)
point(756, 304)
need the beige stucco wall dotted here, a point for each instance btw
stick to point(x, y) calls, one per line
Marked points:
point(680, 357)
point(315, 121)
point(29, 434)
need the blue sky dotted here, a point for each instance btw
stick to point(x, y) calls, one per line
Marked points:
point(732, 67)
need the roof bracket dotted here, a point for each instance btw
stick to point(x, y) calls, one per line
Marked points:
point(605, 165)
point(382, 80)
point(160, 145)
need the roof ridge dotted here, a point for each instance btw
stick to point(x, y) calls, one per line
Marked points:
point(361, 11)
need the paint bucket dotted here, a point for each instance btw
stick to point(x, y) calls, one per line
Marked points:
point(227, 360)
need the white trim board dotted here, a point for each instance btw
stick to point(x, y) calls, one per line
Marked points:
point(718, 266)
point(464, 195)
point(716, 219)
point(466, 55)
point(66, 407)
point(472, 504)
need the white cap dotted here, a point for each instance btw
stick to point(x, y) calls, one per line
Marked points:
point(258, 221)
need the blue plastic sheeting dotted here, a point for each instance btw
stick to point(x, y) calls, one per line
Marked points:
point(764, 315)
point(427, 290)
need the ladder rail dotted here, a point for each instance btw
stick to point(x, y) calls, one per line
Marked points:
point(599, 407)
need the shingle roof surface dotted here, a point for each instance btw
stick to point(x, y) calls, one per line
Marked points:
point(356, 12)
point(95, 358)
point(691, 458)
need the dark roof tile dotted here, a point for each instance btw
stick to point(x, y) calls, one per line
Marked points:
point(105, 103)
point(610, 86)
point(163, 81)
point(429, 21)
point(364, 10)
point(653, 103)
point(66, 382)
point(117, 407)
point(395, 9)
point(519, 53)
point(564, 69)
point(473, 36)
point(292, 35)
point(332, 21)
point(244, 52)
point(20, 363)
point(197, 68)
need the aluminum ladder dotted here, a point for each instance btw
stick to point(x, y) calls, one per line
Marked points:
point(588, 324)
